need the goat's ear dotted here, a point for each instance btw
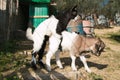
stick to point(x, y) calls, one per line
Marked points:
point(74, 10)
point(99, 38)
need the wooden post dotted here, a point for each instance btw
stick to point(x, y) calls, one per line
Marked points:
point(8, 19)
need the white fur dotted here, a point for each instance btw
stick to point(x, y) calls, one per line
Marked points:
point(67, 40)
point(47, 27)
point(29, 33)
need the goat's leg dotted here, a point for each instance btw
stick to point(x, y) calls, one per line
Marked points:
point(85, 64)
point(40, 56)
point(73, 62)
point(53, 47)
point(33, 62)
point(57, 56)
point(36, 47)
point(41, 52)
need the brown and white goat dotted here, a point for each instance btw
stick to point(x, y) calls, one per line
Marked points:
point(77, 45)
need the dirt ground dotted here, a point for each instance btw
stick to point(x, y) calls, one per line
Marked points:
point(110, 58)
point(105, 67)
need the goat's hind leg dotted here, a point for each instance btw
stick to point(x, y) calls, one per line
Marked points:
point(41, 52)
point(36, 47)
point(40, 61)
point(57, 56)
point(33, 62)
point(53, 47)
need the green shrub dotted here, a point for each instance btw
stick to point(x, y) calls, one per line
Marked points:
point(94, 76)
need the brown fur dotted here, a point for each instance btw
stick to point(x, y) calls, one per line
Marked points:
point(82, 44)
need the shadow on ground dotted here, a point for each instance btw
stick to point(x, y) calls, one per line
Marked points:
point(67, 62)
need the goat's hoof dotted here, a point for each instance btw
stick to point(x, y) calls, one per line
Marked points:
point(33, 65)
point(74, 69)
point(61, 67)
point(89, 71)
point(48, 68)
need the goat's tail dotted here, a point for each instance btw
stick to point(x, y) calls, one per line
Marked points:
point(29, 33)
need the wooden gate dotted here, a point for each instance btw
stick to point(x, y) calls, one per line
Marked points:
point(8, 12)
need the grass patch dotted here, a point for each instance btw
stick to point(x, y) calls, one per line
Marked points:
point(13, 77)
point(94, 76)
point(11, 61)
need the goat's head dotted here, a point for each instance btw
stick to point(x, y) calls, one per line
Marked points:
point(73, 12)
point(98, 47)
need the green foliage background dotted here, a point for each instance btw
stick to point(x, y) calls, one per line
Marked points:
point(91, 6)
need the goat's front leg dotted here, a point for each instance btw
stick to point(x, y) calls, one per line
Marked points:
point(73, 62)
point(85, 64)
point(53, 47)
